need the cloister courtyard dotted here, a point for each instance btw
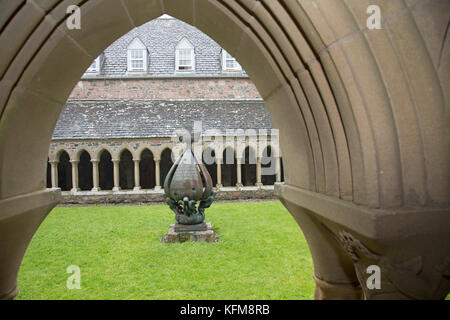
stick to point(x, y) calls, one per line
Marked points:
point(261, 254)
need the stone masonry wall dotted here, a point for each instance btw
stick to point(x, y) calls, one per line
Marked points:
point(155, 197)
point(166, 88)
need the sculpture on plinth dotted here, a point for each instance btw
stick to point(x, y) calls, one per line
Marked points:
point(189, 191)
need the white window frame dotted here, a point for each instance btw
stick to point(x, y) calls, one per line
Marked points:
point(137, 45)
point(96, 68)
point(225, 57)
point(184, 44)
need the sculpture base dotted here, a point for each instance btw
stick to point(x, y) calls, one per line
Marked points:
point(200, 232)
point(190, 227)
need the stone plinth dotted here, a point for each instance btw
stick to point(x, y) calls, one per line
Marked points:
point(190, 233)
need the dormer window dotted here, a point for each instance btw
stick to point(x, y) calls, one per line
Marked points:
point(184, 56)
point(94, 67)
point(137, 56)
point(229, 63)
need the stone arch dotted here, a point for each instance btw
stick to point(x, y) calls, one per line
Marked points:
point(64, 171)
point(60, 152)
point(105, 170)
point(126, 170)
point(138, 153)
point(117, 152)
point(268, 166)
point(100, 149)
point(79, 150)
point(85, 180)
point(249, 166)
point(229, 167)
point(147, 169)
point(209, 159)
point(363, 122)
point(165, 164)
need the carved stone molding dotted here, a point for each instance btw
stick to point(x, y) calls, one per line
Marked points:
point(405, 279)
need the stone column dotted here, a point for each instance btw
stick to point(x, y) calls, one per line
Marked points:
point(157, 173)
point(95, 177)
point(238, 173)
point(219, 173)
point(258, 172)
point(54, 173)
point(74, 176)
point(116, 175)
point(278, 169)
point(137, 178)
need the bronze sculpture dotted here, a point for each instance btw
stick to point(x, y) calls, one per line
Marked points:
point(187, 184)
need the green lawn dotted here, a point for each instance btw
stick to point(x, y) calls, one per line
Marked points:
point(261, 254)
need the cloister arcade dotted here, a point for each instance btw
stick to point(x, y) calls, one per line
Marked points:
point(142, 166)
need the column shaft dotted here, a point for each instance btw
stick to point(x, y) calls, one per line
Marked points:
point(137, 178)
point(116, 175)
point(95, 176)
point(258, 172)
point(54, 172)
point(74, 175)
point(157, 175)
point(219, 173)
point(238, 173)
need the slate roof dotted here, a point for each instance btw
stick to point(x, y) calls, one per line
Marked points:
point(161, 36)
point(109, 119)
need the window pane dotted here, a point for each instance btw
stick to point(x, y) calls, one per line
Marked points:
point(230, 64)
point(137, 54)
point(184, 58)
point(137, 64)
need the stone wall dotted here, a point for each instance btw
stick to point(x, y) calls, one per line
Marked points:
point(246, 193)
point(166, 88)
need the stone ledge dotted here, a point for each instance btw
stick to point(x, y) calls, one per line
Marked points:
point(370, 222)
point(13, 206)
point(146, 196)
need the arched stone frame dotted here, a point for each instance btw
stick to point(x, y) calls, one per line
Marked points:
point(64, 170)
point(209, 159)
point(54, 156)
point(96, 153)
point(126, 170)
point(142, 146)
point(249, 166)
point(85, 173)
point(268, 161)
point(165, 164)
point(147, 168)
point(363, 137)
point(104, 159)
point(229, 168)
point(80, 149)
point(118, 150)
